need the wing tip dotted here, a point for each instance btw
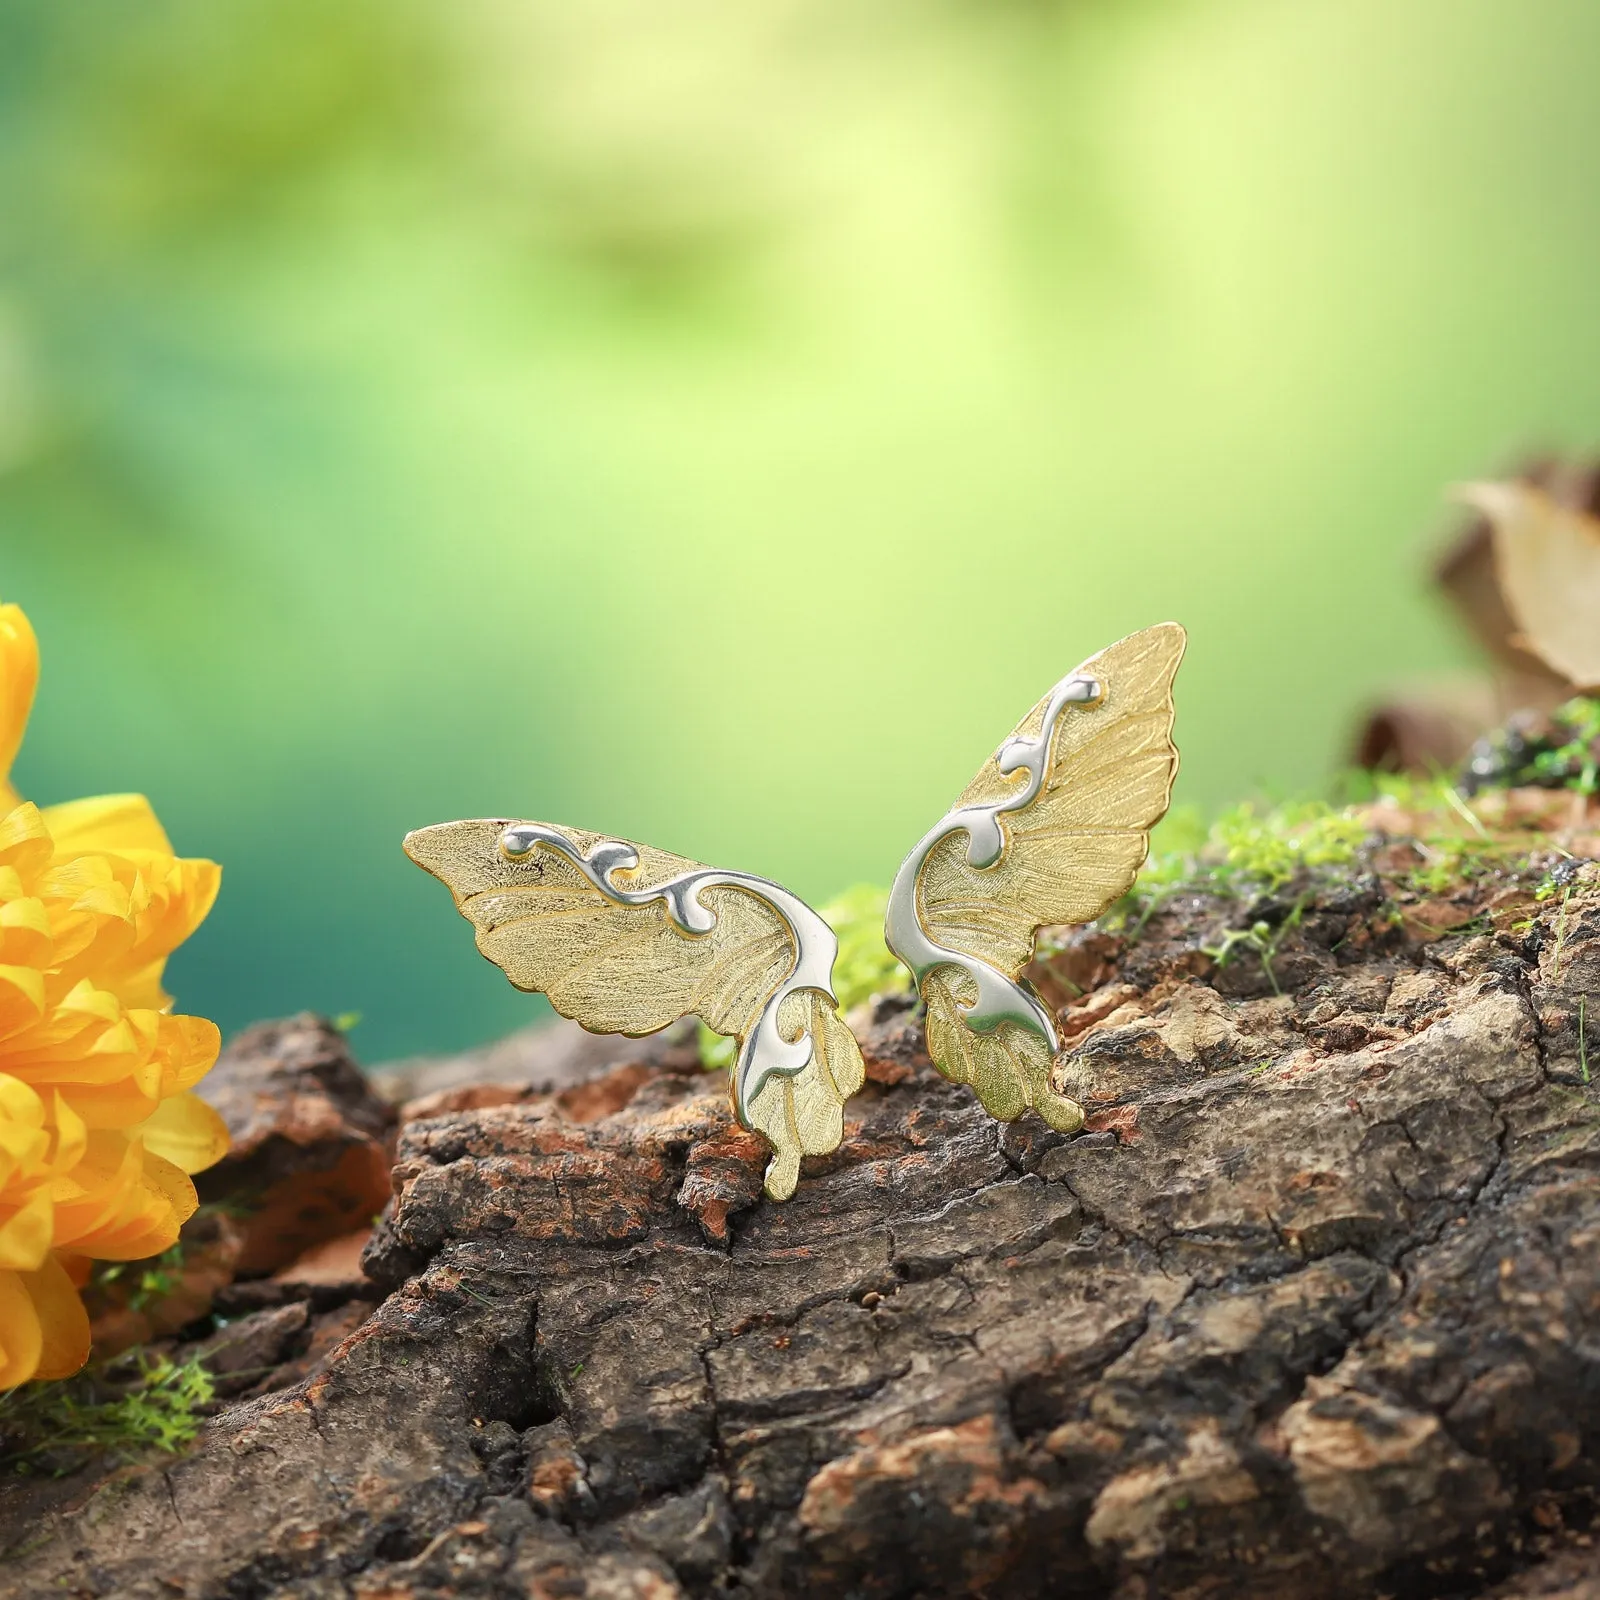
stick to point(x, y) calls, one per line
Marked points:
point(425, 845)
point(1058, 1111)
point(782, 1174)
point(1168, 639)
point(1173, 636)
point(1174, 630)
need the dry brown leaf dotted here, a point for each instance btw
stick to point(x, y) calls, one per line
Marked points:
point(1548, 559)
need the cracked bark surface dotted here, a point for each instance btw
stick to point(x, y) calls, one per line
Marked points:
point(1310, 1308)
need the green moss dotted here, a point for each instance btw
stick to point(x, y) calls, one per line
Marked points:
point(1254, 849)
point(716, 1050)
point(1249, 849)
point(150, 1405)
point(1274, 846)
point(864, 967)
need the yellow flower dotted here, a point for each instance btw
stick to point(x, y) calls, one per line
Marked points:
point(98, 1130)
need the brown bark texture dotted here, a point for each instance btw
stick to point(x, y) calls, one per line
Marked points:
point(1311, 1308)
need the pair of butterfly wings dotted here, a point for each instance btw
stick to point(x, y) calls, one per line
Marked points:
point(630, 968)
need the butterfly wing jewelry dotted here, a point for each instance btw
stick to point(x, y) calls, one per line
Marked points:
point(1052, 830)
point(626, 939)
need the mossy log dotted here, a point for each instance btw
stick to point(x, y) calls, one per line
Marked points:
point(1310, 1308)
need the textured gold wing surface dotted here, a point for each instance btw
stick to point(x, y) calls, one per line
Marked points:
point(630, 968)
point(1077, 848)
point(804, 1115)
point(1067, 855)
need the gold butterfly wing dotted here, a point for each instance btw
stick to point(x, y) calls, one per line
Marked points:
point(626, 939)
point(1053, 830)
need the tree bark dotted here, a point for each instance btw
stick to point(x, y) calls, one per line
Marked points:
point(1311, 1308)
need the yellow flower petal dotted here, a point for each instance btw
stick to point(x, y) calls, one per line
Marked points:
point(21, 998)
point(189, 893)
point(90, 884)
point(25, 843)
point(160, 1202)
point(162, 1177)
point(19, 678)
point(21, 1337)
point(187, 1048)
point(63, 1323)
point(114, 822)
point(79, 1269)
point(97, 1128)
point(72, 1135)
point(98, 1191)
point(25, 932)
point(141, 986)
point(121, 1104)
point(185, 1131)
point(179, 897)
point(25, 1232)
point(26, 1157)
point(85, 1000)
point(20, 1108)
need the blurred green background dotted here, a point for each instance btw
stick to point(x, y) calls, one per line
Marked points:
point(716, 424)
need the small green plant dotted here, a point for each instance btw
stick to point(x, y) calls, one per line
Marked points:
point(52, 1428)
point(864, 966)
point(156, 1279)
point(1447, 863)
point(1260, 937)
point(1561, 935)
point(1583, 1037)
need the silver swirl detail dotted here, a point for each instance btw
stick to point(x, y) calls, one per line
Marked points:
point(999, 998)
point(764, 1053)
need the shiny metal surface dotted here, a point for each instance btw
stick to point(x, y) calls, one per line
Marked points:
point(1051, 831)
point(764, 1053)
point(999, 997)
